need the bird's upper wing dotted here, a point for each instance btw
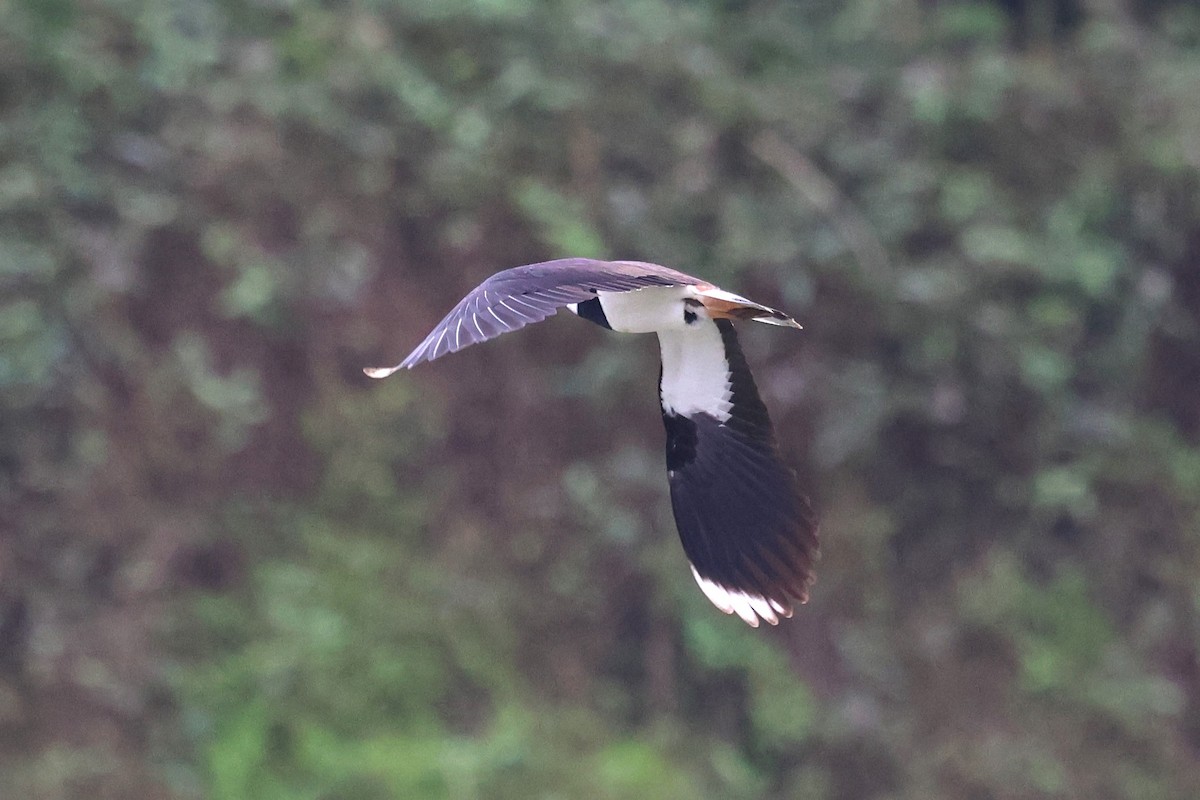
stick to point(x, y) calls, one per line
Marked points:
point(749, 533)
point(516, 297)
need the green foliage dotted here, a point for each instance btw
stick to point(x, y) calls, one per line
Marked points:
point(562, 222)
point(234, 567)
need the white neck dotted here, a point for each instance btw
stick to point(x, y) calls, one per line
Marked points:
point(648, 310)
point(695, 374)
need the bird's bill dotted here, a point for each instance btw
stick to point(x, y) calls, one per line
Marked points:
point(726, 305)
point(782, 321)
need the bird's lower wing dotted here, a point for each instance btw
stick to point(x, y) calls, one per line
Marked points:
point(750, 536)
point(749, 533)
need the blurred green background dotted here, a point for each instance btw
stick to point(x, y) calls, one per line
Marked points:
point(231, 566)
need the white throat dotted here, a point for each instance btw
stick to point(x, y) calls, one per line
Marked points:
point(695, 374)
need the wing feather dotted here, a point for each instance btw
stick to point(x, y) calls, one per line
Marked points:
point(749, 533)
point(529, 294)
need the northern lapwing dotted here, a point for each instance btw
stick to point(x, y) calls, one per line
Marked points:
point(748, 532)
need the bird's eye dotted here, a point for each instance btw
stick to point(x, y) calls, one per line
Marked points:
point(689, 316)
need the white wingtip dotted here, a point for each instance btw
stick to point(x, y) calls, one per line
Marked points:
point(748, 607)
point(380, 372)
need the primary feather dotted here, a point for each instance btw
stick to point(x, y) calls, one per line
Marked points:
point(516, 297)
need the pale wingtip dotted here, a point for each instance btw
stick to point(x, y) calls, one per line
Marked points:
point(380, 372)
point(749, 607)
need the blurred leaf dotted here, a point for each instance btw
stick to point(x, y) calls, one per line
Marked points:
point(993, 243)
point(632, 770)
point(562, 223)
point(233, 566)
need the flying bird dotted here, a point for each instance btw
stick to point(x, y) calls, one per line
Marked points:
point(749, 534)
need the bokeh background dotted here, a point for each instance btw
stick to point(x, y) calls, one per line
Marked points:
point(233, 567)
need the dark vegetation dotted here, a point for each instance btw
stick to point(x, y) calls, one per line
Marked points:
point(233, 567)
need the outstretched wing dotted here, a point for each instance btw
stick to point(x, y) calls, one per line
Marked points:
point(749, 533)
point(519, 296)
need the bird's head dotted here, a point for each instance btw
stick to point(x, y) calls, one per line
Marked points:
point(709, 302)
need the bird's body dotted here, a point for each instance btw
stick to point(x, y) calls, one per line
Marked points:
point(749, 534)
